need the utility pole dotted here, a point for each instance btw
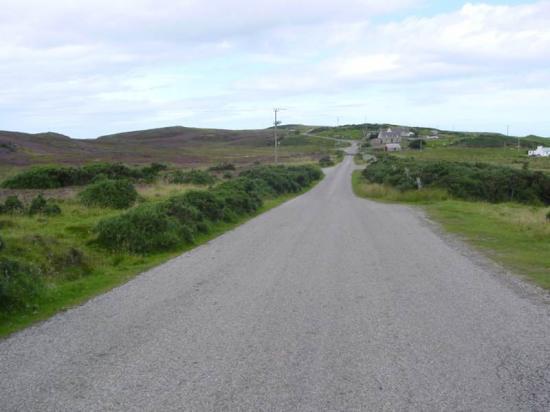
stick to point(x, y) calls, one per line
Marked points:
point(275, 123)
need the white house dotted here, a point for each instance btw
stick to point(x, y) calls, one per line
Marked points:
point(391, 135)
point(540, 152)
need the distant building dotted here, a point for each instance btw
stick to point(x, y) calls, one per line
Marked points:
point(391, 135)
point(434, 134)
point(392, 147)
point(540, 151)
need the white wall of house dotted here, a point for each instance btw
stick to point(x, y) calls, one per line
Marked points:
point(540, 151)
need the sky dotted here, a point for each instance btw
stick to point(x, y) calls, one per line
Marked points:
point(88, 68)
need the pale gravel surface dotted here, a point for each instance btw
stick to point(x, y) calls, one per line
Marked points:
point(328, 302)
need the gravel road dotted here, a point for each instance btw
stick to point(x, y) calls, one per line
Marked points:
point(326, 303)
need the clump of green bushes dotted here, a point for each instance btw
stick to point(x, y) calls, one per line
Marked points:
point(56, 177)
point(326, 161)
point(19, 285)
point(195, 177)
point(116, 194)
point(164, 225)
point(38, 205)
point(13, 205)
point(470, 181)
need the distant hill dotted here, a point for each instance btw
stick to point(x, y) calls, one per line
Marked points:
point(178, 145)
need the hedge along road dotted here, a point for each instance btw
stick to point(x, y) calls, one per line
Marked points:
point(328, 302)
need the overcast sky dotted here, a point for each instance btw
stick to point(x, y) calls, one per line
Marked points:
point(87, 68)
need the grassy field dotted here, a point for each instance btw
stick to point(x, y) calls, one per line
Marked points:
point(502, 156)
point(517, 236)
point(73, 266)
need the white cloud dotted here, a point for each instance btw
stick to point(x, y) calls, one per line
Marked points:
point(65, 65)
point(366, 65)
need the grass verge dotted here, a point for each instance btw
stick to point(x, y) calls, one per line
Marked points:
point(516, 236)
point(108, 270)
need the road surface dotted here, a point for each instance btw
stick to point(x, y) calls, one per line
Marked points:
point(326, 303)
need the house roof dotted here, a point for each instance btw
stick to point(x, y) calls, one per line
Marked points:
point(393, 132)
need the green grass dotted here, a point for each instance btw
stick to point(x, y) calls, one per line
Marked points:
point(507, 156)
point(517, 236)
point(48, 241)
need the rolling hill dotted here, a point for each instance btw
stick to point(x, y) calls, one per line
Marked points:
point(177, 145)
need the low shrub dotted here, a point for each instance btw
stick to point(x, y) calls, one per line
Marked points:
point(147, 228)
point(20, 285)
point(38, 204)
point(13, 205)
point(207, 203)
point(150, 228)
point(281, 179)
point(2, 244)
point(116, 194)
point(195, 177)
point(326, 161)
point(470, 181)
point(55, 177)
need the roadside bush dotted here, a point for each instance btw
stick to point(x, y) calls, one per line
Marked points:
point(207, 203)
point(150, 228)
point(116, 194)
point(471, 181)
point(547, 219)
point(195, 177)
point(188, 216)
point(20, 285)
point(282, 179)
point(13, 205)
point(240, 197)
point(2, 244)
point(147, 228)
point(326, 161)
